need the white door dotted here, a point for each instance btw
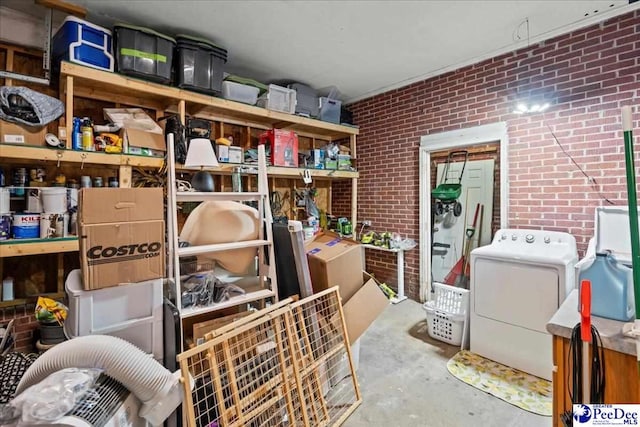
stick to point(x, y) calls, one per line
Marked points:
point(477, 187)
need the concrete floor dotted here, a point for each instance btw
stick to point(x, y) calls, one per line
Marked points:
point(404, 380)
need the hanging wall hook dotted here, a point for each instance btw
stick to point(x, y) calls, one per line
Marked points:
point(306, 176)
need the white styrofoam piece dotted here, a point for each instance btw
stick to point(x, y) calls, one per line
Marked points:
point(612, 232)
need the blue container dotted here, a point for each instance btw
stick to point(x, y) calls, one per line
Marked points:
point(611, 288)
point(84, 43)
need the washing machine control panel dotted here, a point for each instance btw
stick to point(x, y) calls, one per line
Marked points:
point(529, 238)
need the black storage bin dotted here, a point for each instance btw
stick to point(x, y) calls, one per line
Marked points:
point(199, 65)
point(307, 101)
point(144, 53)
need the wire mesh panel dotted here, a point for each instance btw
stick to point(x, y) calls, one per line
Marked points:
point(245, 377)
point(323, 356)
point(288, 367)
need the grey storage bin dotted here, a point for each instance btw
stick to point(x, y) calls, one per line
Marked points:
point(307, 100)
point(330, 110)
point(144, 53)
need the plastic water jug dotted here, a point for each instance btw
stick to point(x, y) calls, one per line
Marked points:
point(611, 288)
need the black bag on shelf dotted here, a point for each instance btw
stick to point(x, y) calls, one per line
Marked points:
point(175, 126)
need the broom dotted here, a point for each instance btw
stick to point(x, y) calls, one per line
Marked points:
point(627, 129)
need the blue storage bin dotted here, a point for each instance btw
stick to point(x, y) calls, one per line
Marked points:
point(83, 43)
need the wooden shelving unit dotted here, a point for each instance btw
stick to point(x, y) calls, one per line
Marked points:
point(95, 84)
point(44, 154)
point(22, 247)
point(82, 82)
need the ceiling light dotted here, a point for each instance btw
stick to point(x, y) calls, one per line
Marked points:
point(522, 108)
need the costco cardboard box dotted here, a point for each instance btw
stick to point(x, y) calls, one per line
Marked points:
point(121, 236)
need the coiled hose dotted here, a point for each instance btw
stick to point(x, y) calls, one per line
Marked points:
point(574, 377)
point(147, 379)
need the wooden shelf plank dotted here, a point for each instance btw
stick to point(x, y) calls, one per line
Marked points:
point(194, 196)
point(32, 153)
point(240, 299)
point(203, 249)
point(22, 247)
point(31, 299)
point(115, 85)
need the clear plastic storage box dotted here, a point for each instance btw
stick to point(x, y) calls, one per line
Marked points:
point(132, 312)
point(330, 110)
point(239, 92)
point(279, 98)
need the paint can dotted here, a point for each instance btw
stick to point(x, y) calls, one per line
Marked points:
point(54, 225)
point(34, 203)
point(5, 226)
point(54, 199)
point(72, 199)
point(5, 200)
point(26, 226)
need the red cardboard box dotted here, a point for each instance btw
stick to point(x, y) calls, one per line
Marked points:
point(284, 147)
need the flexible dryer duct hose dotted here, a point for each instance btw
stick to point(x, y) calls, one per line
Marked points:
point(147, 379)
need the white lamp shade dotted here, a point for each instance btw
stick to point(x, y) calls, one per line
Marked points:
point(201, 154)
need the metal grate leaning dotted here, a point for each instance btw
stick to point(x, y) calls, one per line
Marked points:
point(287, 365)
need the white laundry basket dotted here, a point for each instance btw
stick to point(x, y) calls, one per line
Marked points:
point(448, 314)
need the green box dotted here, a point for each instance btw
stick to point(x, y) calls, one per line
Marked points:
point(330, 164)
point(344, 162)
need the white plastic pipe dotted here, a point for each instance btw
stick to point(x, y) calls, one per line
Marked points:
point(156, 387)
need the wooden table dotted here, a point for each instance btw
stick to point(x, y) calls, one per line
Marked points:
point(622, 381)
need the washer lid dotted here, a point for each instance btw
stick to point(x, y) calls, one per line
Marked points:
point(612, 232)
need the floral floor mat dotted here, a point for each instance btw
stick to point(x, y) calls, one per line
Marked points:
point(525, 391)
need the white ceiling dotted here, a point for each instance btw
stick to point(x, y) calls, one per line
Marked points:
point(361, 47)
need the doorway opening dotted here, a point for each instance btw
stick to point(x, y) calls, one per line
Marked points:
point(444, 231)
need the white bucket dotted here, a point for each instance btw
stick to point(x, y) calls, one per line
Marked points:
point(34, 204)
point(5, 200)
point(54, 225)
point(54, 199)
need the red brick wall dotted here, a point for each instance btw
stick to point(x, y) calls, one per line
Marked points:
point(25, 325)
point(586, 75)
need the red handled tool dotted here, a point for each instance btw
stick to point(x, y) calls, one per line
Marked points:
point(585, 336)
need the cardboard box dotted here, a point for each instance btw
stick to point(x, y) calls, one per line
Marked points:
point(200, 329)
point(334, 261)
point(330, 164)
point(363, 308)
point(284, 146)
point(14, 133)
point(121, 236)
point(140, 133)
point(344, 162)
point(140, 142)
point(229, 153)
point(235, 155)
point(318, 158)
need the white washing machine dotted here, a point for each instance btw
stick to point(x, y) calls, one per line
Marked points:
point(517, 283)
